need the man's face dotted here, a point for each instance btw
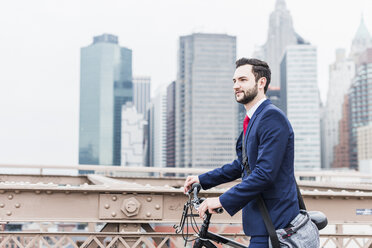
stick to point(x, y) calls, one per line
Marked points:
point(245, 85)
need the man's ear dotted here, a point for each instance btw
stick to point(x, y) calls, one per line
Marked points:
point(262, 83)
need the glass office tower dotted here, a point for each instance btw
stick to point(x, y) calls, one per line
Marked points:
point(105, 85)
point(300, 101)
point(206, 109)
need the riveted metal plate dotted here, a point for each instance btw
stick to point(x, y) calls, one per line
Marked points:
point(131, 206)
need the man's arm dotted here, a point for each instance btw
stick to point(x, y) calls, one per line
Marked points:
point(273, 134)
point(226, 173)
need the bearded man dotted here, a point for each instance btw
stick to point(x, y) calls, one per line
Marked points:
point(269, 147)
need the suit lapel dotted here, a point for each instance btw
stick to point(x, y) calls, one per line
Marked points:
point(255, 114)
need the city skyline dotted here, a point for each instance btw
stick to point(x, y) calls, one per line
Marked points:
point(38, 47)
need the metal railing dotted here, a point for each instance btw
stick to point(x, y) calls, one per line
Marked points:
point(321, 175)
point(150, 240)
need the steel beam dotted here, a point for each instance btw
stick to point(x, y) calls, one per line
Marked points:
point(130, 203)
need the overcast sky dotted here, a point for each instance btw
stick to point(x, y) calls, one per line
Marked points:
point(40, 43)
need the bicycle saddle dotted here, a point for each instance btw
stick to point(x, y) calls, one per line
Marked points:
point(318, 218)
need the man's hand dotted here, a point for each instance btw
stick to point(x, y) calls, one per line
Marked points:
point(190, 180)
point(209, 204)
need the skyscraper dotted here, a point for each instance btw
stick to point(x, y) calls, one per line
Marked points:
point(158, 128)
point(341, 73)
point(132, 152)
point(273, 93)
point(341, 152)
point(206, 110)
point(300, 101)
point(360, 101)
point(280, 35)
point(141, 93)
point(361, 41)
point(105, 85)
point(365, 148)
point(171, 125)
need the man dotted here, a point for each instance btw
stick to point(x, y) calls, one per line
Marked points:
point(269, 145)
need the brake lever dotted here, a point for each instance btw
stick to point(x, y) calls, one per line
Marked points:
point(200, 200)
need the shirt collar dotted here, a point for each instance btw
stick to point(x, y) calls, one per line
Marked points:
point(255, 107)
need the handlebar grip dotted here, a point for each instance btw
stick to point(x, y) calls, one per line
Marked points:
point(219, 210)
point(195, 185)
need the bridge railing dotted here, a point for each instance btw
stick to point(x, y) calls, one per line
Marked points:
point(317, 175)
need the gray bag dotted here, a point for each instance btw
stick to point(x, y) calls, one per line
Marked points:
point(301, 233)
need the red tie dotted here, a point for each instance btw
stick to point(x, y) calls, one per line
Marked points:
point(245, 123)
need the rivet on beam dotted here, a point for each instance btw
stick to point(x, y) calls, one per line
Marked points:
point(114, 198)
point(17, 191)
point(149, 199)
point(10, 196)
point(113, 214)
point(173, 194)
point(9, 213)
point(67, 192)
point(107, 206)
point(148, 214)
point(85, 192)
point(37, 192)
point(361, 198)
point(124, 193)
point(49, 192)
point(2, 191)
point(331, 197)
point(157, 207)
point(18, 205)
point(346, 198)
point(2, 205)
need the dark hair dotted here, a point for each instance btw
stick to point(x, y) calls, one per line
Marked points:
point(259, 69)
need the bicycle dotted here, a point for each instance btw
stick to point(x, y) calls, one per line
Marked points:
point(204, 237)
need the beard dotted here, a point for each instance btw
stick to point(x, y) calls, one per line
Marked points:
point(248, 95)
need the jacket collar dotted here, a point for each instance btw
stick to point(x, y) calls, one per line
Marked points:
point(256, 113)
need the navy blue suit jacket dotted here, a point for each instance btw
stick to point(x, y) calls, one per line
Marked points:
point(270, 150)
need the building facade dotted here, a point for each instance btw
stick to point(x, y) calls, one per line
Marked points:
point(341, 74)
point(158, 128)
point(273, 93)
point(141, 93)
point(105, 85)
point(361, 41)
point(360, 98)
point(364, 137)
point(132, 152)
point(171, 125)
point(342, 149)
point(301, 102)
point(206, 110)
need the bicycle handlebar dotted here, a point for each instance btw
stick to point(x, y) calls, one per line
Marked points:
point(195, 188)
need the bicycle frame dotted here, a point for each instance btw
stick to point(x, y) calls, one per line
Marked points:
point(205, 237)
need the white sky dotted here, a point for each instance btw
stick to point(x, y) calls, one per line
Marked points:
point(40, 44)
